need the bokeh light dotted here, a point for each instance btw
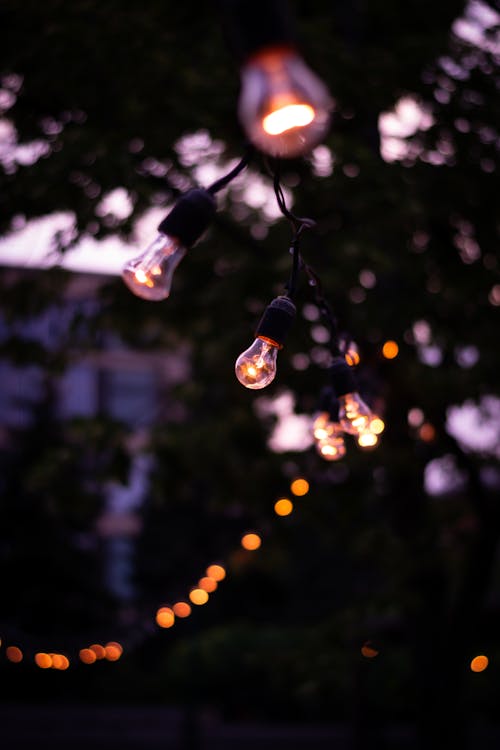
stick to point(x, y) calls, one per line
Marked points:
point(63, 663)
point(377, 425)
point(59, 661)
point(87, 655)
point(390, 350)
point(165, 617)
point(113, 651)
point(42, 660)
point(352, 356)
point(479, 663)
point(217, 572)
point(98, 650)
point(14, 654)
point(251, 541)
point(283, 507)
point(198, 596)
point(367, 439)
point(299, 487)
point(207, 583)
point(427, 432)
point(369, 651)
point(181, 609)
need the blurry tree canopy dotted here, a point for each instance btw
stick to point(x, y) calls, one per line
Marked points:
point(110, 90)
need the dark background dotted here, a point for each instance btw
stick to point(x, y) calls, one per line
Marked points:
point(368, 554)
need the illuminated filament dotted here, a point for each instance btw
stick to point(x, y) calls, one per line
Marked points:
point(288, 117)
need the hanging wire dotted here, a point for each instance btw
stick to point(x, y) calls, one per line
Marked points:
point(226, 179)
point(299, 224)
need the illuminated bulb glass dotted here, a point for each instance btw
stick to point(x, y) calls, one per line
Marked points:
point(256, 367)
point(323, 426)
point(284, 107)
point(331, 448)
point(354, 414)
point(377, 425)
point(150, 275)
point(367, 439)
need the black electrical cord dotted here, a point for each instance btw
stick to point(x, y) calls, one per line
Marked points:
point(222, 182)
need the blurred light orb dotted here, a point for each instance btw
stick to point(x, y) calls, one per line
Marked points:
point(87, 656)
point(479, 663)
point(165, 617)
point(43, 660)
point(207, 583)
point(283, 507)
point(390, 350)
point(198, 596)
point(98, 650)
point(299, 487)
point(217, 572)
point(251, 542)
point(14, 654)
point(181, 609)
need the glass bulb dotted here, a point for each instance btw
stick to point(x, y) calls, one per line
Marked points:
point(354, 414)
point(150, 275)
point(284, 107)
point(332, 448)
point(322, 426)
point(256, 367)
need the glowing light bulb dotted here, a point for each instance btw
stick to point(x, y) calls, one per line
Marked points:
point(256, 367)
point(284, 107)
point(332, 448)
point(150, 275)
point(354, 414)
point(322, 426)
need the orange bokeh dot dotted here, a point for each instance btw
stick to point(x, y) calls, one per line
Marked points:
point(98, 650)
point(427, 432)
point(113, 653)
point(251, 541)
point(352, 357)
point(369, 651)
point(58, 661)
point(64, 663)
point(182, 609)
point(207, 583)
point(283, 507)
point(116, 645)
point(165, 617)
point(217, 572)
point(299, 487)
point(42, 660)
point(198, 596)
point(14, 654)
point(87, 655)
point(479, 663)
point(390, 350)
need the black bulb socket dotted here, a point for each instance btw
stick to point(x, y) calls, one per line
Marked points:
point(342, 377)
point(190, 216)
point(276, 321)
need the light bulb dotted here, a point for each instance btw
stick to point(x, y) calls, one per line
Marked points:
point(150, 275)
point(256, 367)
point(354, 414)
point(332, 448)
point(283, 107)
point(322, 425)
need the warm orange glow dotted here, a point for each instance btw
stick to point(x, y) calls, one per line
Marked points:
point(87, 655)
point(479, 663)
point(299, 487)
point(43, 660)
point(217, 572)
point(14, 654)
point(427, 432)
point(63, 663)
point(251, 541)
point(165, 617)
point(283, 507)
point(288, 117)
point(390, 350)
point(207, 583)
point(113, 652)
point(182, 609)
point(368, 650)
point(352, 357)
point(367, 439)
point(198, 596)
point(377, 425)
point(58, 661)
point(98, 650)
